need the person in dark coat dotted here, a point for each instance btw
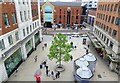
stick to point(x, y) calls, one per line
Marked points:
point(46, 67)
point(52, 74)
point(86, 51)
point(46, 72)
point(40, 66)
point(71, 58)
point(88, 45)
point(58, 74)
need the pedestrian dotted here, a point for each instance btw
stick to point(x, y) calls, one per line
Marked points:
point(46, 72)
point(88, 45)
point(52, 74)
point(71, 58)
point(40, 66)
point(58, 74)
point(35, 58)
point(86, 51)
point(44, 63)
point(49, 73)
point(75, 47)
point(42, 38)
point(46, 67)
point(42, 48)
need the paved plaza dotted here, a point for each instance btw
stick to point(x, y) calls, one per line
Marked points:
point(28, 68)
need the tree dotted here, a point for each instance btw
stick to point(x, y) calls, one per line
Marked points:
point(60, 50)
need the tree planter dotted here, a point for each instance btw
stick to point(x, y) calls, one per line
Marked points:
point(59, 68)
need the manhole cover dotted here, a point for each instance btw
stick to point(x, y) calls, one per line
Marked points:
point(99, 76)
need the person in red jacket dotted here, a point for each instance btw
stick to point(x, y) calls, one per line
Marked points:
point(38, 79)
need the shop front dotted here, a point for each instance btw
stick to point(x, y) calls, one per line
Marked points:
point(13, 62)
point(37, 39)
point(29, 47)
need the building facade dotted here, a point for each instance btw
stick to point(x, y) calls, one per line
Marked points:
point(107, 31)
point(62, 14)
point(20, 33)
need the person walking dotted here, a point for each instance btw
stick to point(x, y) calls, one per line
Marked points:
point(52, 73)
point(75, 47)
point(86, 51)
point(41, 66)
point(58, 74)
point(88, 45)
point(71, 58)
point(46, 72)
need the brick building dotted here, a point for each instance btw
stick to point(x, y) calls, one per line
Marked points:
point(107, 31)
point(20, 33)
point(62, 14)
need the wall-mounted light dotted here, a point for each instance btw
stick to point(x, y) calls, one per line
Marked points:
point(54, 10)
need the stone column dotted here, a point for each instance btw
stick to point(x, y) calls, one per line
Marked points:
point(24, 53)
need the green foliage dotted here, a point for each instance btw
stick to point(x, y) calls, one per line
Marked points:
point(60, 49)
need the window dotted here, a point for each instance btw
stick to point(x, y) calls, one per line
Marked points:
point(107, 41)
point(110, 31)
point(27, 30)
point(108, 7)
point(10, 40)
point(35, 25)
point(114, 33)
point(2, 1)
point(119, 9)
point(28, 14)
point(116, 6)
point(25, 15)
point(6, 22)
point(111, 44)
point(21, 16)
point(23, 32)
point(112, 20)
point(2, 46)
point(107, 29)
point(11, 1)
point(30, 28)
point(104, 38)
point(109, 18)
point(17, 36)
point(106, 17)
point(117, 21)
point(13, 18)
point(111, 7)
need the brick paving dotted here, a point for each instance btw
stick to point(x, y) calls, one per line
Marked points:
point(28, 68)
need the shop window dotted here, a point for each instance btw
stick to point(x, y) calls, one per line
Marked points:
point(2, 46)
point(6, 21)
point(10, 40)
point(17, 36)
point(13, 18)
point(119, 9)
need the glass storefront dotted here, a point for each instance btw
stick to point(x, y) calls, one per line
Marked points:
point(13, 62)
point(37, 39)
point(29, 47)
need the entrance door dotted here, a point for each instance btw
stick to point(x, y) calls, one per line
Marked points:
point(48, 24)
